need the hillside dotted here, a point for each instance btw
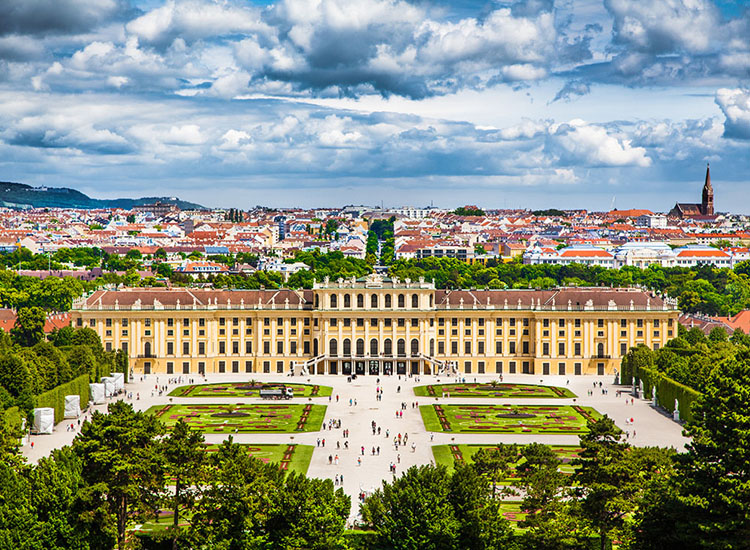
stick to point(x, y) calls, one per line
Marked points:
point(20, 195)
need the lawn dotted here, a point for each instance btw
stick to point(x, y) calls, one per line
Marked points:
point(449, 455)
point(513, 419)
point(504, 391)
point(247, 389)
point(260, 417)
point(293, 458)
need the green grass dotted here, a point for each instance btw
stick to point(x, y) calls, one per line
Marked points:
point(511, 510)
point(502, 391)
point(448, 455)
point(247, 389)
point(261, 417)
point(293, 458)
point(545, 419)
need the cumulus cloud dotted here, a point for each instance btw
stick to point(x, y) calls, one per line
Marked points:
point(578, 142)
point(735, 104)
point(192, 20)
point(675, 41)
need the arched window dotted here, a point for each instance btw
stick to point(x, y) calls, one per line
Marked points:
point(347, 300)
point(401, 347)
point(360, 347)
point(432, 346)
point(333, 348)
point(387, 347)
point(414, 347)
point(600, 349)
point(147, 349)
point(401, 300)
point(374, 347)
point(347, 347)
point(374, 301)
point(315, 347)
point(388, 300)
point(317, 301)
point(414, 301)
point(360, 300)
point(431, 300)
point(334, 301)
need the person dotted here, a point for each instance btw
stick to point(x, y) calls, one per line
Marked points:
point(359, 461)
point(330, 459)
point(413, 447)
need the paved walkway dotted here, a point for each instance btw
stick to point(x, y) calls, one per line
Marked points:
point(652, 428)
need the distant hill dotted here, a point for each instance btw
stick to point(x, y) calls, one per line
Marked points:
point(20, 195)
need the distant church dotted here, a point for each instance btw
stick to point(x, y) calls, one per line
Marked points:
point(704, 209)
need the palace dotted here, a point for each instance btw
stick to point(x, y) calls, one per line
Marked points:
point(377, 325)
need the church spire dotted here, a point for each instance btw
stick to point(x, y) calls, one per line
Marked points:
point(707, 204)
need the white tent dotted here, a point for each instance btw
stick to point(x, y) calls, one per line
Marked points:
point(119, 381)
point(72, 406)
point(97, 393)
point(109, 385)
point(44, 420)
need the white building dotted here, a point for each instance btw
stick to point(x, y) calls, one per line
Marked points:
point(651, 220)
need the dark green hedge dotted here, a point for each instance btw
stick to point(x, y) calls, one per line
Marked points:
point(55, 398)
point(667, 390)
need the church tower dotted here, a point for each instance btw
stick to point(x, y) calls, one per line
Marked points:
point(707, 204)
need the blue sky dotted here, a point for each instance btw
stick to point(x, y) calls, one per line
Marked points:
point(541, 103)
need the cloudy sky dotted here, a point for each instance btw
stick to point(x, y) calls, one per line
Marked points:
point(538, 103)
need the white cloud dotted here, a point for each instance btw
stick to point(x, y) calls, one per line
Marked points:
point(189, 134)
point(583, 143)
point(735, 104)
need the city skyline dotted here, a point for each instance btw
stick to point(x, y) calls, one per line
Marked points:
point(540, 104)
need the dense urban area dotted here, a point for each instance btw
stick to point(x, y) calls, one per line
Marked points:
point(555, 464)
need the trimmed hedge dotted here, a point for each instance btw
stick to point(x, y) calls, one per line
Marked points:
point(55, 397)
point(12, 417)
point(667, 391)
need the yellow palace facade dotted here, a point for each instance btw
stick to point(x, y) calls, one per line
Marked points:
point(377, 326)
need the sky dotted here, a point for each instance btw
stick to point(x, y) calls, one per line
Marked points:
point(504, 104)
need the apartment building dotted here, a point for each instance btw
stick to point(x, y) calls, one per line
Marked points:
point(377, 326)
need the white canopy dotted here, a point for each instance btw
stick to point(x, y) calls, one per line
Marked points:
point(72, 406)
point(97, 393)
point(109, 385)
point(119, 381)
point(44, 420)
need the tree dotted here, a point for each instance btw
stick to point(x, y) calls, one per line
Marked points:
point(184, 458)
point(552, 519)
point(56, 482)
point(705, 505)
point(414, 511)
point(120, 466)
point(605, 483)
point(496, 463)
point(233, 510)
point(308, 513)
point(29, 328)
point(481, 525)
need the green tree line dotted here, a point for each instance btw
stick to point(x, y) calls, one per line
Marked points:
point(31, 364)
